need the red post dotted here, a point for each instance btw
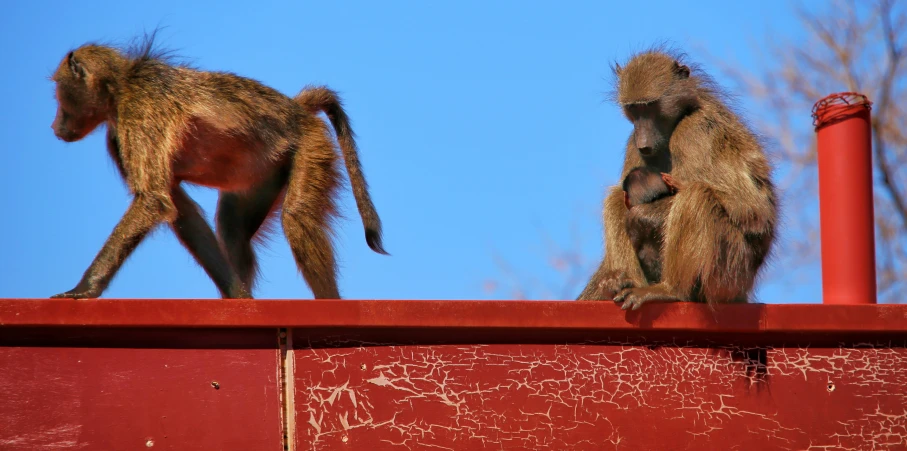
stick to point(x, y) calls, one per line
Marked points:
point(844, 136)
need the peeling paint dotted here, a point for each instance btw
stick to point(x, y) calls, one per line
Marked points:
point(603, 396)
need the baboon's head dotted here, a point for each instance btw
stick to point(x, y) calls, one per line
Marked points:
point(655, 91)
point(83, 91)
point(643, 185)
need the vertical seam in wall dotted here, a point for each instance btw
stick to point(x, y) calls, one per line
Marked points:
point(287, 390)
point(281, 386)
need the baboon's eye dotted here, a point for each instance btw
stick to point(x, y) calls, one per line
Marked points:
point(653, 109)
point(635, 110)
point(638, 110)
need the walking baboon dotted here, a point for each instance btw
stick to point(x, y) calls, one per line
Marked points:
point(647, 196)
point(168, 123)
point(721, 224)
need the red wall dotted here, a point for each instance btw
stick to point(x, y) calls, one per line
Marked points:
point(373, 375)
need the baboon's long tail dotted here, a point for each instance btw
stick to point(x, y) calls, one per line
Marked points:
point(320, 98)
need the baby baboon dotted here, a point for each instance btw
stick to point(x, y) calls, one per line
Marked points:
point(647, 195)
point(168, 124)
point(721, 224)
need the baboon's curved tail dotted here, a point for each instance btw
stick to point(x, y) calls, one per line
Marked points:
point(320, 98)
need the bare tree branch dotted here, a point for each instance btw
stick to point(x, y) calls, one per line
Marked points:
point(851, 46)
point(894, 60)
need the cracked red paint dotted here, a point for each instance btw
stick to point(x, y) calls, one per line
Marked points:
point(603, 396)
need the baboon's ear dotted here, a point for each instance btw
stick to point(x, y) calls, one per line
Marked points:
point(75, 66)
point(681, 70)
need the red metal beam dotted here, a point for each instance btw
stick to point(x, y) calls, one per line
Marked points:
point(551, 315)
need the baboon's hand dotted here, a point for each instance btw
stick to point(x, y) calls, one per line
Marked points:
point(672, 183)
point(77, 293)
point(611, 284)
point(634, 298)
point(631, 299)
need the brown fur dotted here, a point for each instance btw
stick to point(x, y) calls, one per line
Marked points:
point(168, 124)
point(648, 198)
point(721, 224)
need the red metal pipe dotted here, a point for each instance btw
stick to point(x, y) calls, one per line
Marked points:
point(844, 136)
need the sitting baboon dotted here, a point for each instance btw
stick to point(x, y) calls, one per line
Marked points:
point(721, 224)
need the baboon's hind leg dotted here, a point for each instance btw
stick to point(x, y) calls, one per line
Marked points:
point(240, 216)
point(195, 234)
point(706, 257)
point(309, 209)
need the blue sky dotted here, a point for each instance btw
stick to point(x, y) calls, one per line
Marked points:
point(482, 126)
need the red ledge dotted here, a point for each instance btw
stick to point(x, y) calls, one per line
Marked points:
point(551, 315)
